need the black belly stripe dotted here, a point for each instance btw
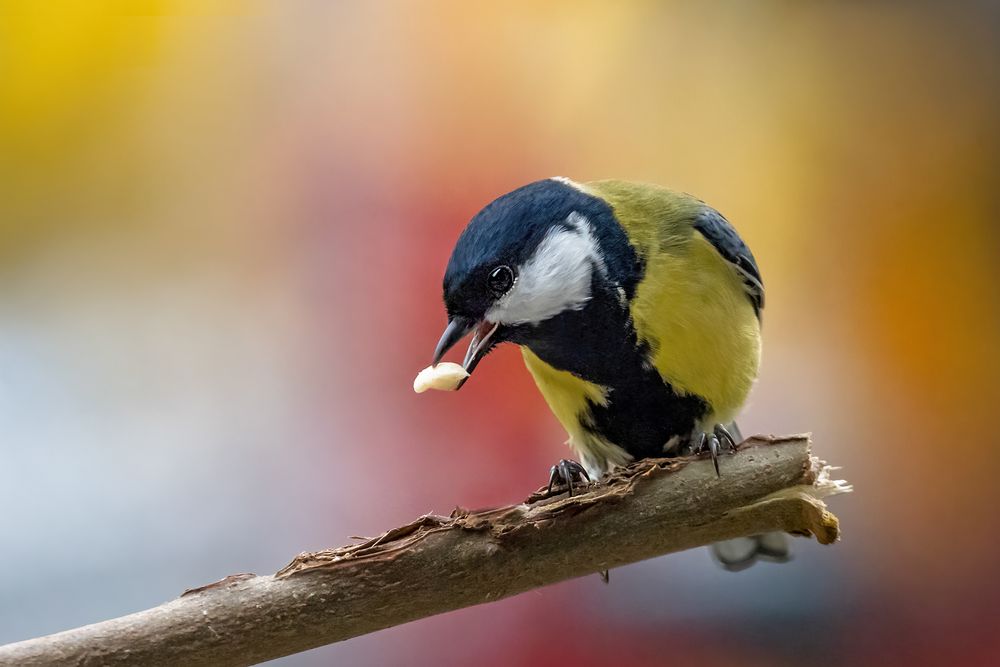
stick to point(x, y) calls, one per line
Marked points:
point(642, 419)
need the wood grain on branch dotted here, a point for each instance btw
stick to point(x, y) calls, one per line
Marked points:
point(436, 564)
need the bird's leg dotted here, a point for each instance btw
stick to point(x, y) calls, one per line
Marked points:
point(566, 473)
point(720, 436)
point(713, 448)
point(702, 440)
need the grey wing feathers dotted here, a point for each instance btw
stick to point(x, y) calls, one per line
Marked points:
point(717, 230)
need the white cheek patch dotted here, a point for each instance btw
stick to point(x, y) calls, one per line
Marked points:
point(556, 278)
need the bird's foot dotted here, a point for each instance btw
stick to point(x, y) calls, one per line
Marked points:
point(719, 437)
point(567, 473)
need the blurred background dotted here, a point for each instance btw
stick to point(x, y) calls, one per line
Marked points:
point(223, 227)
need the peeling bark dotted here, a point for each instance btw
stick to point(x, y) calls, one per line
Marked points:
point(436, 563)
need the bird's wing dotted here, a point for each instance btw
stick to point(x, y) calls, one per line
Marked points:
point(723, 237)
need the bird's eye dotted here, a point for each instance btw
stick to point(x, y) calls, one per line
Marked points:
point(501, 280)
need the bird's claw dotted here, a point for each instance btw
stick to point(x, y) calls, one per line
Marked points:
point(726, 438)
point(566, 473)
point(719, 437)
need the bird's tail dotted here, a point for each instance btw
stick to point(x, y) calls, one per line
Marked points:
point(742, 552)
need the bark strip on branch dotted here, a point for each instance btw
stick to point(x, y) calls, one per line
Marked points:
point(437, 564)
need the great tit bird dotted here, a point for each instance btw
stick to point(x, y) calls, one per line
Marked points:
point(638, 313)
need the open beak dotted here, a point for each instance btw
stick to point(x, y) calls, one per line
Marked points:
point(482, 340)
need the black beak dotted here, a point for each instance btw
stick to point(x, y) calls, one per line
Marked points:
point(456, 330)
point(482, 342)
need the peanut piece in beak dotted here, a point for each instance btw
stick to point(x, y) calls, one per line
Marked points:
point(446, 376)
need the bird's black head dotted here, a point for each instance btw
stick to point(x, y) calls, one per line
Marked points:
point(527, 257)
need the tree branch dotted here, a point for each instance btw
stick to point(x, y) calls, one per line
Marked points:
point(438, 564)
